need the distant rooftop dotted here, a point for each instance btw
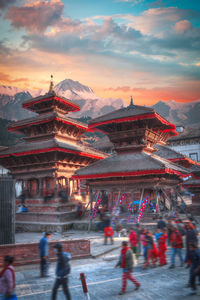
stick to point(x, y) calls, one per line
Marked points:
point(187, 133)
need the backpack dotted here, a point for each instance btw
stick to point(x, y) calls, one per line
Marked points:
point(67, 264)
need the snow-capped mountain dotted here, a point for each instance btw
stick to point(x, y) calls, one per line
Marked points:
point(74, 90)
point(179, 113)
point(11, 100)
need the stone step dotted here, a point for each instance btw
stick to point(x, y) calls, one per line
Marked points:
point(45, 216)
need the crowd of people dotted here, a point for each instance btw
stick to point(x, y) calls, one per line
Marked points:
point(181, 238)
point(175, 234)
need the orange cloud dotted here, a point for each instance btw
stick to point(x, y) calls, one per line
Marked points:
point(5, 78)
point(35, 17)
point(183, 92)
point(182, 26)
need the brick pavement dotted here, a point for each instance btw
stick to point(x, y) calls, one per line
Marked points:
point(104, 282)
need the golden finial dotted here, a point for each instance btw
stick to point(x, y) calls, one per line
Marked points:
point(131, 103)
point(51, 87)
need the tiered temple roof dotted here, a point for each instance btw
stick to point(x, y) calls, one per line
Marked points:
point(134, 131)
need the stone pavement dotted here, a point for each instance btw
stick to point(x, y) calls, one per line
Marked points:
point(104, 282)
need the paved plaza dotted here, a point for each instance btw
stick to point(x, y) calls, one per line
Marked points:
point(104, 282)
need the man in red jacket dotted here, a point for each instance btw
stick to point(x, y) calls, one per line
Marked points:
point(133, 241)
point(176, 242)
point(126, 263)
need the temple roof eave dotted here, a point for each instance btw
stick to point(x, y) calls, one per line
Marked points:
point(133, 113)
point(29, 104)
point(130, 165)
point(23, 149)
point(20, 125)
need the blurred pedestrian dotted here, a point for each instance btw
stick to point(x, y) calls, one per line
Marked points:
point(150, 250)
point(144, 244)
point(162, 248)
point(108, 233)
point(133, 242)
point(190, 238)
point(194, 255)
point(176, 241)
point(44, 250)
point(161, 223)
point(126, 263)
point(138, 232)
point(62, 272)
point(7, 279)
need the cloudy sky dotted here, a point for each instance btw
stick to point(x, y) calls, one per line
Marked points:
point(148, 49)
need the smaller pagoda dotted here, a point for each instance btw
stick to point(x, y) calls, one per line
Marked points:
point(45, 160)
point(134, 168)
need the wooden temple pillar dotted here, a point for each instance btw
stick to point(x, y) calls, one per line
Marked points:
point(40, 187)
point(141, 198)
point(91, 207)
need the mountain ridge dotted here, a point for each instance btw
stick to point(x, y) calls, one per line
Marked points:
point(11, 99)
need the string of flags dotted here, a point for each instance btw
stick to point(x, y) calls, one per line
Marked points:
point(95, 209)
point(122, 198)
point(142, 208)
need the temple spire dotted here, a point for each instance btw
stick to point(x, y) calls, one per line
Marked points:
point(51, 87)
point(131, 102)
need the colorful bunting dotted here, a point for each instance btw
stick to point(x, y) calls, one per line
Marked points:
point(142, 208)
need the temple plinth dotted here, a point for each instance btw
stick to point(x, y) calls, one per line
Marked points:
point(45, 160)
point(134, 168)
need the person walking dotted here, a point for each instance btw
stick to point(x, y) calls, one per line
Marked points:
point(144, 244)
point(176, 241)
point(44, 250)
point(7, 279)
point(126, 263)
point(194, 255)
point(138, 231)
point(190, 238)
point(162, 248)
point(108, 233)
point(62, 272)
point(161, 223)
point(150, 250)
point(133, 241)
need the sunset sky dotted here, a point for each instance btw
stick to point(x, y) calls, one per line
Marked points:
point(147, 49)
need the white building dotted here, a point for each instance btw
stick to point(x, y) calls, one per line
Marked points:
point(187, 142)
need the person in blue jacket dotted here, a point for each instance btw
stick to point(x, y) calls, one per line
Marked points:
point(62, 272)
point(44, 251)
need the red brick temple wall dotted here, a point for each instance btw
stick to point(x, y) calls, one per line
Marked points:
point(29, 254)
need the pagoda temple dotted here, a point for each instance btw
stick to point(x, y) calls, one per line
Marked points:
point(44, 162)
point(134, 168)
